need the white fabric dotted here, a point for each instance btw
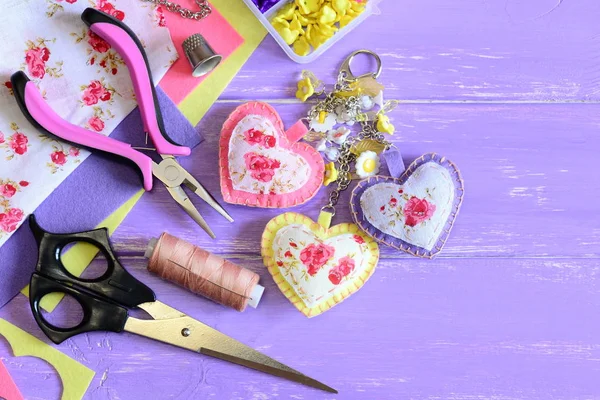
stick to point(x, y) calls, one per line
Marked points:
point(430, 182)
point(48, 40)
point(316, 288)
point(292, 173)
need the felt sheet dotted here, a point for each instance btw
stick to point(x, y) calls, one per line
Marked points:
point(197, 103)
point(218, 32)
point(75, 376)
point(81, 77)
point(8, 388)
point(91, 194)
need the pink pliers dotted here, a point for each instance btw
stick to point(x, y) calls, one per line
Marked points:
point(168, 171)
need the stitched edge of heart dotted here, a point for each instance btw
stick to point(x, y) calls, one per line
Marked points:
point(288, 291)
point(382, 237)
point(304, 150)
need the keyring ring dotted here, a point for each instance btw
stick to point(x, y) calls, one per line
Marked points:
point(345, 68)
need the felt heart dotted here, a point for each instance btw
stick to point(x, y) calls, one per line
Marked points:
point(315, 267)
point(263, 166)
point(415, 212)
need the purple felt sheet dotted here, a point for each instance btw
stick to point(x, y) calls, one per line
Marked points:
point(89, 195)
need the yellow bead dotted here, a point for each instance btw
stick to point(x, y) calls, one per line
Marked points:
point(302, 47)
point(308, 6)
point(295, 25)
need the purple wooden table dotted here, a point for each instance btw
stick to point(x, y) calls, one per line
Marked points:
point(507, 89)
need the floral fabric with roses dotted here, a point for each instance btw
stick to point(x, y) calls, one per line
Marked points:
point(319, 269)
point(80, 75)
point(415, 212)
point(256, 163)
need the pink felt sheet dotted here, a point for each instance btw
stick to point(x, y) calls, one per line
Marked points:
point(178, 83)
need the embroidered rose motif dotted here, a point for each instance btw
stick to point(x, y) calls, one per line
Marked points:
point(335, 276)
point(262, 168)
point(9, 219)
point(7, 190)
point(253, 136)
point(98, 44)
point(9, 86)
point(74, 152)
point(269, 141)
point(288, 254)
point(96, 124)
point(315, 256)
point(2, 138)
point(36, 57)
point(19, 143)
point(160, 16)
point(35, 63)
point(107, 7)
point(58, 157)
point(346, 265)
point(343, 269)
point(358, 239)
point(393, 202)
point(417, 210)
point(95, 92)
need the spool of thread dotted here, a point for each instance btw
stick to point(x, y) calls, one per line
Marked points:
point(203, 273)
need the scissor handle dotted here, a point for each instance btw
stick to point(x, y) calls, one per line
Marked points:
point(120, 36)
point(116, 284)
point(43, 117)
point(98, 314)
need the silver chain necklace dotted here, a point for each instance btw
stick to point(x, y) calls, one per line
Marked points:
point(204, 12)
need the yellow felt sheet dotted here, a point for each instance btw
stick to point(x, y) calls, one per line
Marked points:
point(75, 376)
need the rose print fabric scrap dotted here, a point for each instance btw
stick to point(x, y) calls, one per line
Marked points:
point(70, 66)
point(414, 213)
point(101, 181)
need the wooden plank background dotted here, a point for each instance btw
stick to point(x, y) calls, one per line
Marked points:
point(509, 91)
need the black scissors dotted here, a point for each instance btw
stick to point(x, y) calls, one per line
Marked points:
point(105, 302)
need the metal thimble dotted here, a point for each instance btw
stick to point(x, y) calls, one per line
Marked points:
point(201, 56)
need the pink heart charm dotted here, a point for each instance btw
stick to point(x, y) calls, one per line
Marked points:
point(261, 165)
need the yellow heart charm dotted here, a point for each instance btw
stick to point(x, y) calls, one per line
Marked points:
point(384, 125)
point(317, 267)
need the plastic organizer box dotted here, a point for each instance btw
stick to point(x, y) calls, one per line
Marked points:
point(370, 9)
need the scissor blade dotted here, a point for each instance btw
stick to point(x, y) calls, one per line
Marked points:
point(184, 201)
point(201, 192)
point(260, 362)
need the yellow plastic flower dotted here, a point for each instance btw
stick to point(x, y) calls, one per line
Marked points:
point(331, 174)
point(302, 47)
point(305, 89)
point(384, 125)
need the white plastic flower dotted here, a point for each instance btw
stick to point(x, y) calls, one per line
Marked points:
point(323, 123)
point(332, 154)
point(367, 164)
point(367, 103)
point(322, 145)
point(339, 135)
point(378, 100)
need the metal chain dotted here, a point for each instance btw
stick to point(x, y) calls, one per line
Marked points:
point(204, 12)
point(346, 158)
